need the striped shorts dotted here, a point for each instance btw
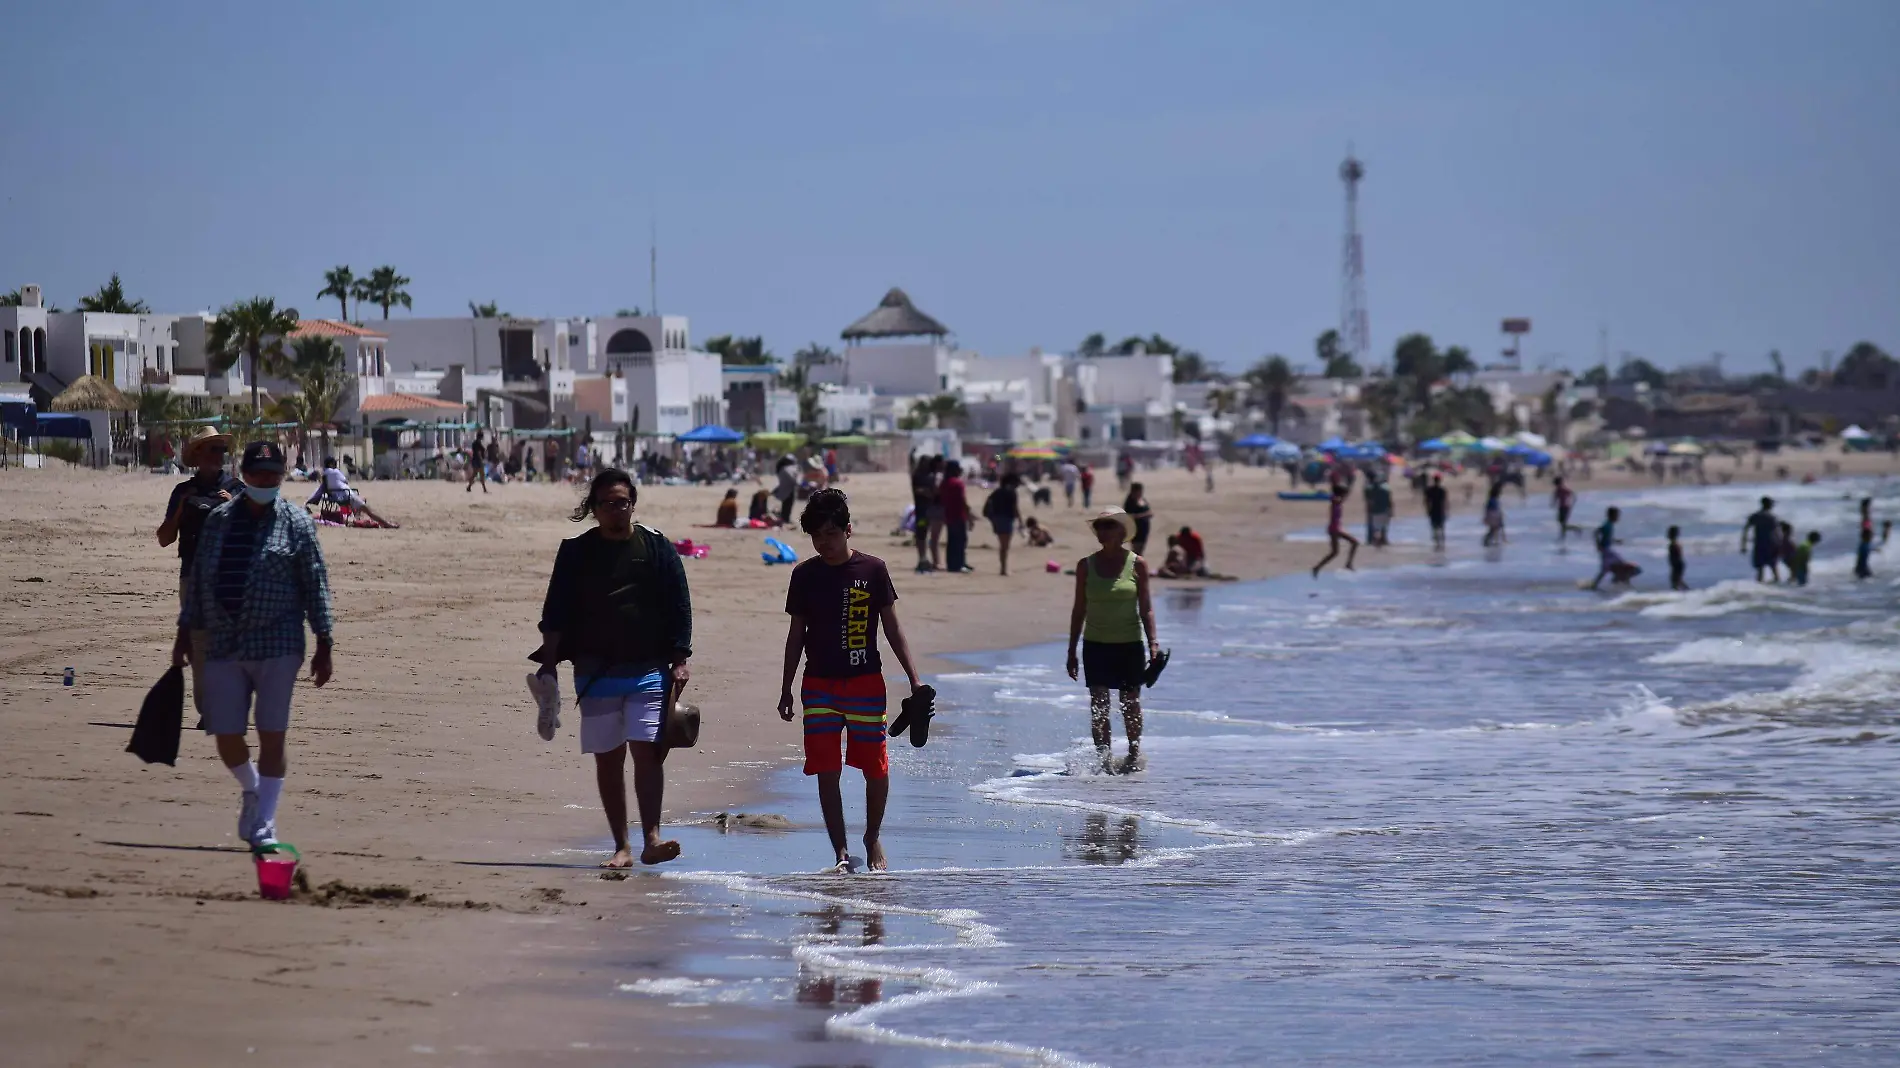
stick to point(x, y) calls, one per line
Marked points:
point(852, 707)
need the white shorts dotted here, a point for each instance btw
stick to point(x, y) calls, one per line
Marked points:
point(607, 723)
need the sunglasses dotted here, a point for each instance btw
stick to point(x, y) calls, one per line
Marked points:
point(614, 506)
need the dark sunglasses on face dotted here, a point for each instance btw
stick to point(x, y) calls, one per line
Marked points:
point(614, 506)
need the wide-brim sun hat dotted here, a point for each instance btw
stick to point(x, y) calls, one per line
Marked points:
point(1127, 521)
point(203, 436)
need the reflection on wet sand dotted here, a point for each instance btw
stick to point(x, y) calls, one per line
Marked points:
point(1097, 843)
point(821, 990)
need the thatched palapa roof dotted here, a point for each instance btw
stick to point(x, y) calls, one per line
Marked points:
point(90, 393)
point(895, 316)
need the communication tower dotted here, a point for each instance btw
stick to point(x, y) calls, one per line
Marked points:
point(1353, 330)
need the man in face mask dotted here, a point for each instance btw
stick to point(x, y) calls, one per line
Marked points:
point(257, 577)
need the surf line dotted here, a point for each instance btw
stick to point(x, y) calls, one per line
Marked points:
point(861, 1024)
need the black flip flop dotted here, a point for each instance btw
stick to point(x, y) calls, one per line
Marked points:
point(1156, 667)
point(917, 711)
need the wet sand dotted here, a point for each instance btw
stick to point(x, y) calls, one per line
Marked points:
point(454, 922)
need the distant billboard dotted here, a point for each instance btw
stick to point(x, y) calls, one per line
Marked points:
point(1517, 326)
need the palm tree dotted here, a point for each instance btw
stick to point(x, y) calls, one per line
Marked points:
point(316, 366)
point(813, 354)
point(490, 310)
point(255, 328)
point(13, 299)
point(386, 289)
point(340, 282)
point(362, 293)
point(111, 298)
point(938, 410)
point(1272, 377)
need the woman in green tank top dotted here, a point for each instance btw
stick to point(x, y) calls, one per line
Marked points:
point(1111, 614)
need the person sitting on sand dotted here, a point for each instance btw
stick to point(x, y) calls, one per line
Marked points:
point(761, 510)
point(1037, 534)
point(618, 606)
point(335, 491)
point(1175, 566)
point(728, 514)
point(1111, 611)
point(836, 600)
point(1193, 551)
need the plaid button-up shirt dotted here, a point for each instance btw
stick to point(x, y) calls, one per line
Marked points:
point(287, 584)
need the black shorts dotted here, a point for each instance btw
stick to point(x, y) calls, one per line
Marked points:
point(1113, 665)
point(1563, 517)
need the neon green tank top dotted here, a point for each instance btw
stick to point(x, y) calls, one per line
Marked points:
point(1111, 613)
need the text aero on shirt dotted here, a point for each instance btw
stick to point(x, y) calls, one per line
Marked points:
point(840, 605)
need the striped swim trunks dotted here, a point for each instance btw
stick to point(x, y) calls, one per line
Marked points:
point(852, 707)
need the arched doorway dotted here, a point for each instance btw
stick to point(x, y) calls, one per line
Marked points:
point(39, 350)
point(628, 341)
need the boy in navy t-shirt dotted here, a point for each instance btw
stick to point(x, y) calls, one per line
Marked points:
point(836, 602)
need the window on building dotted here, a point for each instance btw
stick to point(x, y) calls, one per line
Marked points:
point(9, 334)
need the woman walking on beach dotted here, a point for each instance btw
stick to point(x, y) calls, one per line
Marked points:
point(1111, 613)
point(1336, 531)
point(1002, 508)
point(1494, 516)
point(618, 607)
point(1136, 505)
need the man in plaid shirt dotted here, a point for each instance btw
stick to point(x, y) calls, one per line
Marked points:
point(257, 578)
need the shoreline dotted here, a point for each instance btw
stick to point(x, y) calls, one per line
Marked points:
point(418, 768)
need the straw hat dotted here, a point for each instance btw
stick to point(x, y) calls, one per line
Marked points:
point(203, 436)
point(1127, 521)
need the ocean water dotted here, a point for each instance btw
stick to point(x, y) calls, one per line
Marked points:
point(1457, 813)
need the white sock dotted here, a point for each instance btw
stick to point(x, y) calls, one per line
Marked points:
point(246, 775)
point(268, 791)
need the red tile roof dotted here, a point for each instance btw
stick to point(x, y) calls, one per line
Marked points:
point(405, 402)
point(332, 328)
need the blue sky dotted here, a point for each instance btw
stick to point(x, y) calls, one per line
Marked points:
point(1697, 177)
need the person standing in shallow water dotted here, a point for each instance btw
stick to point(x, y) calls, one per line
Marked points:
point(836, 602)
point(1111, 613)
point(1437, 506)
point(618, 607)
point(1765, 529)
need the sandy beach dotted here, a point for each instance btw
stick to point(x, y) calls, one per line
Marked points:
point(445, 919)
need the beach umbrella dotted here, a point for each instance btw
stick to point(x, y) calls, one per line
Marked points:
point(1536, 458)
point(777, 440)
point(1283, 451)
point(1458, 439)
point(90, 393)
point(1535, 441)
point(1491, 444)
point(1687, 448)
point(1257, 441)
point(1333, 444)
point(847, 439)
point(1433, 445)
point(1025, 452)
point(1855, 433)
point(713, 433)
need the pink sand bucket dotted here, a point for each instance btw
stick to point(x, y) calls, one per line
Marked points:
point(276, 871)
point(1053, 568)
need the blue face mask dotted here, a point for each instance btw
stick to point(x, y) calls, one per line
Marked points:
point(261, 494)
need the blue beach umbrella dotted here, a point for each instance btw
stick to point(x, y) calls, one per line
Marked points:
point(1433, 445)
point(1285, 450)
point(1333, 444)
point(1257, 441)
point(709, 432)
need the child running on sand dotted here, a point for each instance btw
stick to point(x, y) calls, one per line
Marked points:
point(836, 601)
point(1336, 531)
